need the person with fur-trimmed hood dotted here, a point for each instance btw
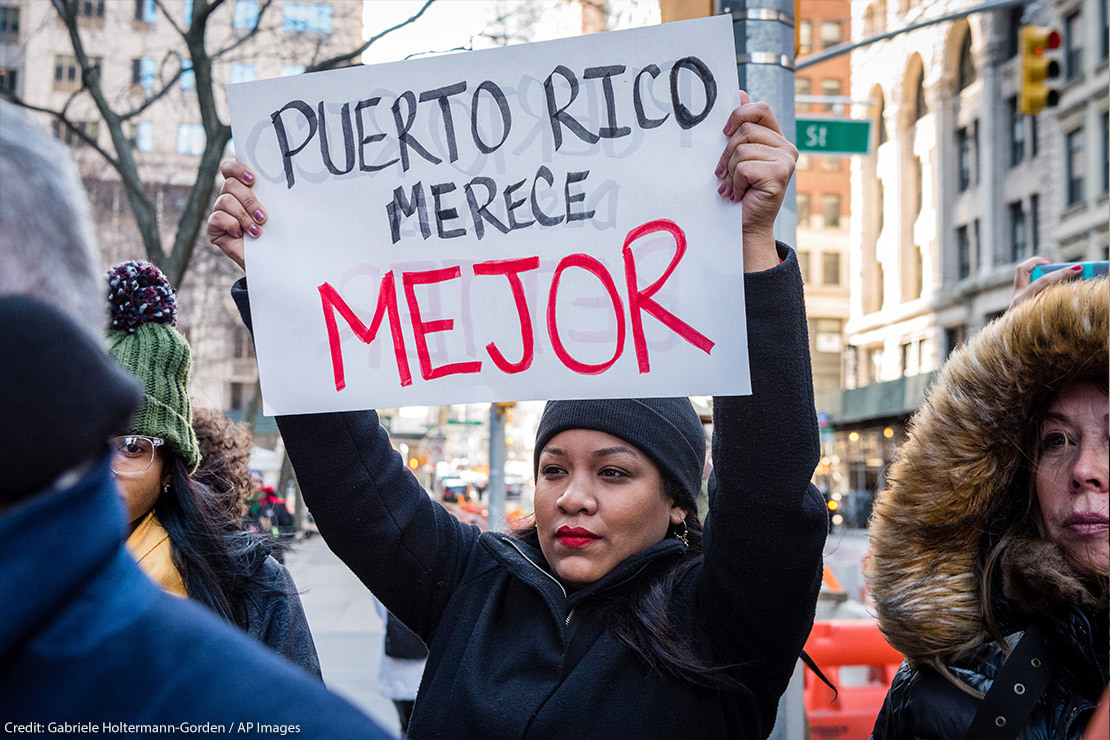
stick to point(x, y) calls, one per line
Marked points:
point(990, 539)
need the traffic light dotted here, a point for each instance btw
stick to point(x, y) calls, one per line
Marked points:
point(1037, 69)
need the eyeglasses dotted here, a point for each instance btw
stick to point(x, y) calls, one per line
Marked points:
point(133, 454)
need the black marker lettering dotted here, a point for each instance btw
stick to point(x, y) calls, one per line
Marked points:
point(364, 140)
point(408, 206)
point(559, 116)
point(478, 212)
point(404, 138)
point(348, 140)
point(638, 101)
point(441, 94)
point(682, 114)
point(605, 74)
point(502, 106)
point(283, 140)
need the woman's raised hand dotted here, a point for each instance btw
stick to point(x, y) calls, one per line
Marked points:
point(755, 170)
point(1025, 287)
point(236, 213)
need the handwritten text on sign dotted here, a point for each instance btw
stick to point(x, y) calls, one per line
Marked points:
point(498, 225)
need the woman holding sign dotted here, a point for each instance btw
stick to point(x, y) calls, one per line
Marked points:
point(617, 613)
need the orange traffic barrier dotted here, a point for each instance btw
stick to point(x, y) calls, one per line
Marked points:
point(850, 712)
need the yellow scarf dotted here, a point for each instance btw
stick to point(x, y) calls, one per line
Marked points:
point(149, 544)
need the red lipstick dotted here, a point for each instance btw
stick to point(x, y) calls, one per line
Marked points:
point(575, 536)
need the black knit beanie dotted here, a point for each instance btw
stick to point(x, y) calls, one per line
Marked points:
point(61, 397)
point(666, 429)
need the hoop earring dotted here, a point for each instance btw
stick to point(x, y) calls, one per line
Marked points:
point(682, 536)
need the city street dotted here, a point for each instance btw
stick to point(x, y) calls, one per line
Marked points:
point(345, 626)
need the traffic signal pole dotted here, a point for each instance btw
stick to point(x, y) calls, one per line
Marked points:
point(495, 489)
point(763, 32)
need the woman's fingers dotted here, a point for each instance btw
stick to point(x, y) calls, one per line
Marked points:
point(225, 231)
point(1025, 287)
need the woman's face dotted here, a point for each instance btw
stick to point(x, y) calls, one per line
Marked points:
point(140, 491)
point(598, 501)
point(1072, 475)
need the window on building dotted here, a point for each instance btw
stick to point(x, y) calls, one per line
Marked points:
point(963, 253)
point(241, 345)
point(1073, 46)
point(832, 88)
point(831, 164)
point(1105, 152)
point(241, 72)
point(70, 137)
point(1104, 35)
point(9, 21)
point(1012, 20)
point(827, 335)
point(803, 209)
point(245, 16)
point(975, 166)
point(921, 355)
point(830, 211)
point(90, 9)
point(804, 162)
point(1018, 235)
point(830, 268)
point(67, 75)
point(188, 76)
point(881, 119)
point(9, 79)
point(144, 72)
point(146, 11)
point(1034, 223)
point(918, 187)
point(803, 264)
point(831, 33)
point(289, 70)
point(1017, 132)
point(963, 159)
point(917, 276)
point(904, 357)
point(953, 338)
point(967, 72)
point(919, 106)
point(1076, 167)
point(307, 17)
point(144, 136)
point(805, 37)
point(238, 396)
point(802, 86)
point(875, 364)
point(190, 138)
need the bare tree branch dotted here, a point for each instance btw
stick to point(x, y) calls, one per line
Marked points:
point(343, 58)
point(248, 35)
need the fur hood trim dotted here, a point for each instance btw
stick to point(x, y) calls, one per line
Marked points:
point(959, 464)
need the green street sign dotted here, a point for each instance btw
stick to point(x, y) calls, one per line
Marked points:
point(833, 136)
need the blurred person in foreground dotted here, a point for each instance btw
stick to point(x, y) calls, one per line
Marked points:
point(989, 547)
point(84, 635)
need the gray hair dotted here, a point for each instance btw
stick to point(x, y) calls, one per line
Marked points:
point(47, 246)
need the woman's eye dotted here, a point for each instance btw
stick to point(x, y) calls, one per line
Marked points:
point(1054, 440)
point(551, 470)
point(612, 473)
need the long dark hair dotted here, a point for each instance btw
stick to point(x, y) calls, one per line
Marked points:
point(639, 612)
point(216, 558)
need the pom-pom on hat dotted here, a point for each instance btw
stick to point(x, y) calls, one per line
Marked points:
point(141, 337)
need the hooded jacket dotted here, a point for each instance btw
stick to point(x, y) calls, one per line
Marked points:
point(512, 652)
point(951, 493)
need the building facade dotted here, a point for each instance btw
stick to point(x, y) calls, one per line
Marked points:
point(961, 188)
point(139, 49)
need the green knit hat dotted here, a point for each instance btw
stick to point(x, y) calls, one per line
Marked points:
point(142, 339)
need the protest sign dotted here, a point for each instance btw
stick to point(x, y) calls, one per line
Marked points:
point(530, 222)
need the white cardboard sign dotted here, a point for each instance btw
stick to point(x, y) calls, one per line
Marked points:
point(530, 222)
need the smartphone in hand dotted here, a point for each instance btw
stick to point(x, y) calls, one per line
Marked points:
point(1090, 269)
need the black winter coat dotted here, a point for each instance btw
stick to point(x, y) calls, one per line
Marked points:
point(512, 653)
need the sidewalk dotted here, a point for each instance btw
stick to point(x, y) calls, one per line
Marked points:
point(346, 628)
